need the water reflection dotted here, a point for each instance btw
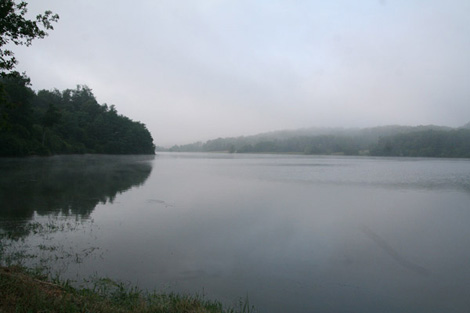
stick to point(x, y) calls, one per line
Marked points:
point(296, 234)
point(425, 174)
point(67, 185)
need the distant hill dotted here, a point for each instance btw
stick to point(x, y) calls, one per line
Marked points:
point(392, 140)
point(426, 143)
point(466, 126)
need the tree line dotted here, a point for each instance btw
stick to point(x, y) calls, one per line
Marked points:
point(64, 122)
point(429, 143)
point(419, 141)
point(54, 122)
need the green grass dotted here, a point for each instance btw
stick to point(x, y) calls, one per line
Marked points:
point(23, 290)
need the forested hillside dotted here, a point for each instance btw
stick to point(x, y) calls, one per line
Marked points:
point(64, 122)
point(425, 141)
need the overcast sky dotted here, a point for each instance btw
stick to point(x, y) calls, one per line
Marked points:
point(196, 70)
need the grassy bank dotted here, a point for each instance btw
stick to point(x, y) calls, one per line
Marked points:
point(23, 290)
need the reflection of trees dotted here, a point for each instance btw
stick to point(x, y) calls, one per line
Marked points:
point(71, 185)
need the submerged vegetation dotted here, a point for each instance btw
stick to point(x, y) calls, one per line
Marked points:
point(30, 278)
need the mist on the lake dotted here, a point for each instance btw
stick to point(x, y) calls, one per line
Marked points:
point(293, 233)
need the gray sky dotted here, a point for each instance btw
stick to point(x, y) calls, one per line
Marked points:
point(196, 70)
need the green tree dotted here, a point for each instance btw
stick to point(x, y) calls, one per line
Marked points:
point(16, 115)
point(50, 118)
point(16, 29)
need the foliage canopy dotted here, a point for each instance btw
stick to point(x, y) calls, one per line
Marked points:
point(71, 121)
point(15, 28)
point(420, 141)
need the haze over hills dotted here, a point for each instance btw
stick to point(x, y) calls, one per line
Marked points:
point(318, 131)
point(391, 140)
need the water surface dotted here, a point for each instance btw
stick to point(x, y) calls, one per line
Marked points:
point(293, 233)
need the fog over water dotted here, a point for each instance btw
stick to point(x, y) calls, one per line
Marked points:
point(197, 70)
point(293, 233)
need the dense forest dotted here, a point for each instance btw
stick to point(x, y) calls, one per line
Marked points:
point(428, 143)
point(419, 141)
point(64, 122)
point(54, 122)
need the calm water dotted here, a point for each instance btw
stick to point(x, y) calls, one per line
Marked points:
point(293, 233)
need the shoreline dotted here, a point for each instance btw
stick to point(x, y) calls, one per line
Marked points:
point(28, 290)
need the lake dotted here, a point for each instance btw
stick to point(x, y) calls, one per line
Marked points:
point(291, 233)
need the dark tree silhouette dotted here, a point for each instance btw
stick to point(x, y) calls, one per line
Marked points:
point(16, 29)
